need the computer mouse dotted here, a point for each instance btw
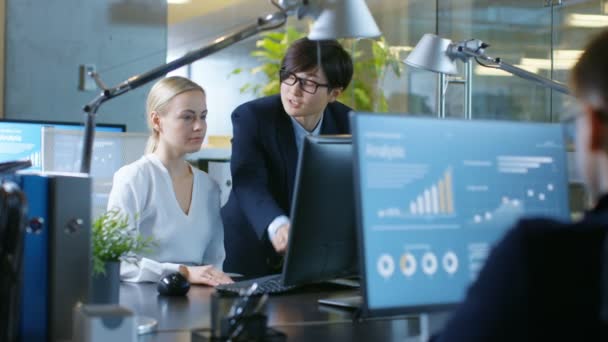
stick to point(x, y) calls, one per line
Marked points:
point(174, 284)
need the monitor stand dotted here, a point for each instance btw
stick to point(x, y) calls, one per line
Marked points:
point(346, 282)
point(343, 302)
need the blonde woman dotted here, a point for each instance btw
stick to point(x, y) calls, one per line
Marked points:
point(165, 197)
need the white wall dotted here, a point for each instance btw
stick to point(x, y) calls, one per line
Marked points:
point(46, 41)
point(213, 72)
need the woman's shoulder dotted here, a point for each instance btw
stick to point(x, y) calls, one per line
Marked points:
point(136, 169)
point(205, 181)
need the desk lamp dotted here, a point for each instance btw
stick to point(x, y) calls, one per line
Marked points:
point(333, 19)
point(439, 55)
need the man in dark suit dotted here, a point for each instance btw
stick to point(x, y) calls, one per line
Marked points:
point(548, 281)
point(267, 135)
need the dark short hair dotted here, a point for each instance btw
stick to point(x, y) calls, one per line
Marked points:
point(589, 77)
point(303, 55)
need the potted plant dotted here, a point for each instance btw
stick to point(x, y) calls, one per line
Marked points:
point(113, 242)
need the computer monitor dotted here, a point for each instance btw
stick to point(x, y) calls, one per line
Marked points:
point(322, 241)
point(433, 196)
point(22, 139)
point(62, 152)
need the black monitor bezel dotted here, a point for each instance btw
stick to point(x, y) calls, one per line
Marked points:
point(291, 275)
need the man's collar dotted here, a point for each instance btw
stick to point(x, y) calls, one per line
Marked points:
point(301, 128)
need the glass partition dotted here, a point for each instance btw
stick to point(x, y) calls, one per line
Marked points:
point(517, 31)
point(542, 36)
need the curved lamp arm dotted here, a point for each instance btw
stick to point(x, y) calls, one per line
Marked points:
point(333, 19)
point(475, 48)
point(269, 22)
point(439, 55)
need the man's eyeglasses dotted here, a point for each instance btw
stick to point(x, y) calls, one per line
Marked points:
point(306, 85)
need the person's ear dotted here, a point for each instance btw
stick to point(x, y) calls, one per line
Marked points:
point(335, 93)
point(598, 130)
point(155, 119)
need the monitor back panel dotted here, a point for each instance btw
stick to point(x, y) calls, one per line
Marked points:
point(322, 242)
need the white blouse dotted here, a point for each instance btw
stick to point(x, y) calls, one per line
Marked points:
point(144, 191)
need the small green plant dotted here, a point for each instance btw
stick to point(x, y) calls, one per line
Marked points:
point(371, 58)
point(114, 241)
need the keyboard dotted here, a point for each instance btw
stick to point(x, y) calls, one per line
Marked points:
point(268, 284)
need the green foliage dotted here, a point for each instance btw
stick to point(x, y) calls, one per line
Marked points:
point(370, 66)
point(270, 50)
point(114, 241)
point(372, 59)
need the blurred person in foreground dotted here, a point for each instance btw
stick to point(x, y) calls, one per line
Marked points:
point(545, 281)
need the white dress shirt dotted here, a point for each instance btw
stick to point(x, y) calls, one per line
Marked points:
point(144, 190)
point(299, 134)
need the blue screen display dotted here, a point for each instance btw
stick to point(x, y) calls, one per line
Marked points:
point(23, 140)
point(435, 195)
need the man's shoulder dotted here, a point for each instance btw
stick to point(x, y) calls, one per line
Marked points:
point(261, 106)
point(339, 109)
point(550, 232)
point(542, 224)
point(336, 119)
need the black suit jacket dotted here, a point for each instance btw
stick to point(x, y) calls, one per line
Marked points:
point(263, 167)
point(540, 283)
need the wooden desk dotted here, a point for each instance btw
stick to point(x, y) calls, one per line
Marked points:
point(298, 315)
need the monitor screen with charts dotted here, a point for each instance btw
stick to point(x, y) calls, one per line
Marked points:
point(433, 196)
point(20, 139)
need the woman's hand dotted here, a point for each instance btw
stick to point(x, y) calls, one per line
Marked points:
point(204, 275)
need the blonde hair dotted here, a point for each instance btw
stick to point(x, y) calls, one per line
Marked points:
point(159, 96)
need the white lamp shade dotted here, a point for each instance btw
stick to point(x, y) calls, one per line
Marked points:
point(431, 53)
point(344, 19)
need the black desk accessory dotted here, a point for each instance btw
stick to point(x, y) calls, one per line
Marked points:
point(242, 320)
point(271, 284)
point(13, 210)
point(174, 284)
point(59, 212)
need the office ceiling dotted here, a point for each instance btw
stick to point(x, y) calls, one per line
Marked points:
point(189, 9)
point(179, 12)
